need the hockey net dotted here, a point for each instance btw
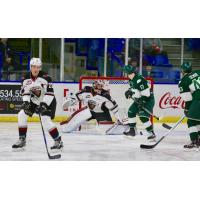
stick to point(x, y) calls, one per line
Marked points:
point(117, 87)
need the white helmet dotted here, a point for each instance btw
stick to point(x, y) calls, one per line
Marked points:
point(104, 84)
point(36, 61)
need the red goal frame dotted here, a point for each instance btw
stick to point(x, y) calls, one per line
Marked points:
point(111, 78)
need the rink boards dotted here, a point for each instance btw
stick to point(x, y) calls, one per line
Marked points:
point(168, 102)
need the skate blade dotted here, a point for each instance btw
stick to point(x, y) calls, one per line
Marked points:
point(18, 149)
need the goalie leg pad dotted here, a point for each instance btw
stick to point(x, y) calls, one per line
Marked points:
point(77, 118)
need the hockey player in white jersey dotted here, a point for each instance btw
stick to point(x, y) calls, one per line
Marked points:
point(98, 105)
point(38, 97)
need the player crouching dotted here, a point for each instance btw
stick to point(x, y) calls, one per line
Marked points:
point(98, 103)
point(38, 97)
point(143, 97)
point(189, 87)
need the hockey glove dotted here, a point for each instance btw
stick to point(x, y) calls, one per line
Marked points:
point(128, 93)
point(44, 109)
point(27, 108)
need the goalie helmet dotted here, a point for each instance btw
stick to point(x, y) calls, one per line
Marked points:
point(101, 84)
point(98, 84)
point(36, 61)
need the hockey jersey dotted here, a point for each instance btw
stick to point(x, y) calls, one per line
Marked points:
point(139, 85)
point(189, 87)
point(101, 99)
point(37, 90)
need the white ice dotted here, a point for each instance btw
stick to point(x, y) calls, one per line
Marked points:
point(91, 146)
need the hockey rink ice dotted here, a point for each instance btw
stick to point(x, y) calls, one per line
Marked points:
point(93, 146)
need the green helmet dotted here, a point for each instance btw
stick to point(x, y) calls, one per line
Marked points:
point(129, 69)
point(186, 67)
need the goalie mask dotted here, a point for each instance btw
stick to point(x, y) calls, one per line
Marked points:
point(98, 85)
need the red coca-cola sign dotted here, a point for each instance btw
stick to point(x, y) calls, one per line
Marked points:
point(168, 100)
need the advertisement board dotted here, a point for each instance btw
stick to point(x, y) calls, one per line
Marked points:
point(168, 102)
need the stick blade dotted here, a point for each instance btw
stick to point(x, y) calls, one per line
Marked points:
point(166, 126)
point(144, 146)
point(54, 157)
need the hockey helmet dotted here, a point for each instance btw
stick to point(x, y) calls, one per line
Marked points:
point(186, 67)
point(36, 61)
point(129, 69)
point(98, 84)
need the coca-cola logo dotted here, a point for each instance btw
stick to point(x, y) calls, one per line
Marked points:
point(170, 101)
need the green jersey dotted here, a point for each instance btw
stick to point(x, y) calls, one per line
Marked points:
point(189, 87)
point(140, 85)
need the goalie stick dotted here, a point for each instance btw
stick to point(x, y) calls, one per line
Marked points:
point(143, 146)
point(51, 157)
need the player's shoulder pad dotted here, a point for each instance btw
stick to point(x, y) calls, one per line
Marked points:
point(45, 76)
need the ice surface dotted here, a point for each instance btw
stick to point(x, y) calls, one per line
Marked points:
point(90, 146)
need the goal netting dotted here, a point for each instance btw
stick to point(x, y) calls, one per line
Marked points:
point(117, 87)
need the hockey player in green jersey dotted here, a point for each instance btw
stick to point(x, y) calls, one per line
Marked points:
point(143, 97)
point(189, 87)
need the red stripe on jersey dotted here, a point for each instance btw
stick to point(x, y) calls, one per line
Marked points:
point(75, 113)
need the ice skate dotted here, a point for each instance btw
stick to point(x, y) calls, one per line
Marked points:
point(58, 145)
point(151, 137)
point(131, 133)
point(193, 146)
point(20, 144)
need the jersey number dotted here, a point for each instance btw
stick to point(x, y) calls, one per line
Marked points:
point(142, 87)
point(196, 83)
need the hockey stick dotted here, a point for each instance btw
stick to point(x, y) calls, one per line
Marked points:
point(169, 127)
point(51, 157)
point(114, 125)
point(150, 113)
point(143, 146)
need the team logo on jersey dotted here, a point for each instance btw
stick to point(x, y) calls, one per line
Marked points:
point(170, 101)
point(29, 82)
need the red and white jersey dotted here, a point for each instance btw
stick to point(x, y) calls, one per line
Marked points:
point(37, 90)
point(101, 99)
